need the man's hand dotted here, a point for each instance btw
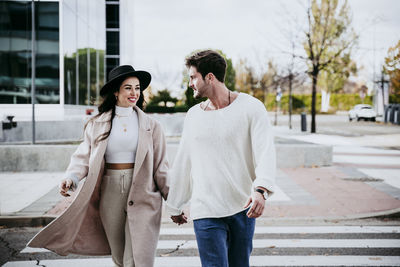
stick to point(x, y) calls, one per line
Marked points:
point(65, 186)
point(179, 219)
point(258, 203)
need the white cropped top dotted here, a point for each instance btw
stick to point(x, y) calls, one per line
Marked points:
point(123, 139)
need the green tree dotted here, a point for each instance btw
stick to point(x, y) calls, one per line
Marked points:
point(244, 77)
point(164, 97)
point(329, 36)
point(270, 80)
point(334, 76)
point(248, 81)
point(392, 68)
point(230, 75)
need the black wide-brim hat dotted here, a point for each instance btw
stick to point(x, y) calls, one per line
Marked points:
point(120, 73)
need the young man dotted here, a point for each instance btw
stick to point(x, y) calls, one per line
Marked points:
point(224, 165)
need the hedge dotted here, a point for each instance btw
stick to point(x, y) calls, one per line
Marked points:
point(300, 103)
point(162, 109)
point(303, 102)
point(394, 99)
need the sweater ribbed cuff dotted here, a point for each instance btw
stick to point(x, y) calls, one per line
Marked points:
point(264, 183)
point(172, 210)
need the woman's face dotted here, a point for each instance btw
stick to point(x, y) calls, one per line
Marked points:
point(128, 93)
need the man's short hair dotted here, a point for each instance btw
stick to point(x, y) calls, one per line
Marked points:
point(208, 61)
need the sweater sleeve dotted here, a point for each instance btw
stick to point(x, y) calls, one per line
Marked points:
point(262, 141)
point(179, 177)
point(79, 163)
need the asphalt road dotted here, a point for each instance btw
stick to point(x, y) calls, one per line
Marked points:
point(375, 242)
point(339, 125)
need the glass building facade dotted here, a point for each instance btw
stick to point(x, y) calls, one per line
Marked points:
point(112, 34)
point(70, 51)
point(15, 52)
point(84, 50)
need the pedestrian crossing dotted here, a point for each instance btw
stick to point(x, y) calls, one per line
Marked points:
point(254, 261)
point(272, 246)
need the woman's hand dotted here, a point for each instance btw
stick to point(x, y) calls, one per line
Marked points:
point(179, 219)
point(65, 186)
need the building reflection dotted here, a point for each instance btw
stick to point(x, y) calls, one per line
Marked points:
point(70, 51)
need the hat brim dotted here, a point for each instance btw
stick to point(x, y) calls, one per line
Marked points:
point(143, 76)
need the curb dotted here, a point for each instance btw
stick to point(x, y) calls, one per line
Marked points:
point(387, 214)
point(39, 221)
point(25, 221)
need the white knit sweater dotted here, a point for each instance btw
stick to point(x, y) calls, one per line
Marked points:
point(222, 156)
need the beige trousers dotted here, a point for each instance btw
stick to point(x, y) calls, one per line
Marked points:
point(114, 194)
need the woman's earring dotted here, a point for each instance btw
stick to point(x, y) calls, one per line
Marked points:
point(116, 97)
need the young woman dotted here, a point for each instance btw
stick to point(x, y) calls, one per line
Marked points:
point(123, 158)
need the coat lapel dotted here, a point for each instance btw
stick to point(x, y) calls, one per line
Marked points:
point(144, 140)
point(104, 126)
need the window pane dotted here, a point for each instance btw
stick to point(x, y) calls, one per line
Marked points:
point(112, 17)
point(15, 52)
point(47, 55)
point(70, 47)
point(112, 43)
point(83, 63)
point(111, 63)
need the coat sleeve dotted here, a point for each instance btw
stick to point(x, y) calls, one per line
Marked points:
point(160, 160)
point(79, 163)
point(262, 142)
point(179, 177)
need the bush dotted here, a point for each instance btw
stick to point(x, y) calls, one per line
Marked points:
point(163, 109)
point(303, 102)
point(300, 103)
point(158, 109)
point(394, 99)
point(181, 108)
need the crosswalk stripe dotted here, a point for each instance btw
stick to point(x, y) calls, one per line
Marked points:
point(187, 243)
point(34, 250)
point(297, 230)
point(254, 261)
point(325, 261)
point(326, 243)
point(98, 262)
point(278, 243)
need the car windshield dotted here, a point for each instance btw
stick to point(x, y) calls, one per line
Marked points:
point(366, 108)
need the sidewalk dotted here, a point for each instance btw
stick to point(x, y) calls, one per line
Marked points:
point(326, 193)
point(362, 182)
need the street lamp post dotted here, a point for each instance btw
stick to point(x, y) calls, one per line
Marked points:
point(278, 103)
point(33, 70)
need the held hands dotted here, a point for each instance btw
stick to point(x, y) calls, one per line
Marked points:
point(179, 219)
point(258, 203)
point(65, 186)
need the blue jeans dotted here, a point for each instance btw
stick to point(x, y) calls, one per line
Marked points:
point(225, 241)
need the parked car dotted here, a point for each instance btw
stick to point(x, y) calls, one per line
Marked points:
point(362, 111)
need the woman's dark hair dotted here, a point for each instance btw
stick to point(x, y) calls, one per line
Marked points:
point(208, 61)
point(109, 102)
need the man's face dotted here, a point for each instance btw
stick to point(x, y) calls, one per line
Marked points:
point(197, 83)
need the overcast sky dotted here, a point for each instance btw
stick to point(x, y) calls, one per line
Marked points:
point(163, 32)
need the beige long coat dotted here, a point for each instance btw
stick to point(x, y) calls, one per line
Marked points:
point(79, 229)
